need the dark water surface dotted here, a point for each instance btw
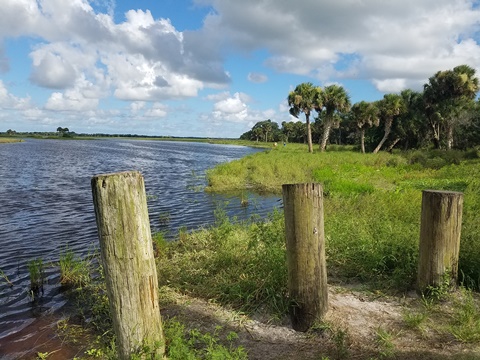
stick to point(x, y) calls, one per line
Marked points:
point(46, 205)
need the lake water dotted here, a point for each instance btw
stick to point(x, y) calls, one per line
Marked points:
point(46, 205)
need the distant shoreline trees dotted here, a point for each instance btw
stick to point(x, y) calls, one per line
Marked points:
point(446, 115)
point(65, 132)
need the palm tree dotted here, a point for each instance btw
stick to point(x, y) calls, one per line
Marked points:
point(410, 126)
point(390, 106)
point(257, 132)
point(335, 100)
point(447, 95)
point(364, 115)
point(303, 99)
point(267, 127)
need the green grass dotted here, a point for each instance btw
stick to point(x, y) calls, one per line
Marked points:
point(465, 320)
point(185, 344)
point(74, 271)
point(372, 204)
point(238, 264)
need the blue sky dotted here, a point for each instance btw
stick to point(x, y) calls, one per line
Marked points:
point(213, 68)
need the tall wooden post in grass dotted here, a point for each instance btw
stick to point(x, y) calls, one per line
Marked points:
point(440, 229)
point(129, 264)
point(307, 271)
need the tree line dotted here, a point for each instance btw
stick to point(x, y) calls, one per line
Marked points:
point(444, 115)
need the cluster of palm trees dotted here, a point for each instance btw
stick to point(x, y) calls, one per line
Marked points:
point(328, 102)
point(447, 103)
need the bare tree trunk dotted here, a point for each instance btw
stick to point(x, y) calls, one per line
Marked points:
point(388, 128)
point(326, 134)
point(309, 134)
point(436, 134)
point(362, 140)
point(449, 137)
point(305, 240)
point(392, 145)
point(127, 254)
point(440, 230)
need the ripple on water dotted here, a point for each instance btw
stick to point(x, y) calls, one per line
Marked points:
point(48, 208)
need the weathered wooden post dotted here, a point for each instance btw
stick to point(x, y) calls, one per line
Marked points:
point(127, 254)
point(307, 271)
point(441, 223)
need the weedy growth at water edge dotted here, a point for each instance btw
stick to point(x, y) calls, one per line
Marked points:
point(37, 277)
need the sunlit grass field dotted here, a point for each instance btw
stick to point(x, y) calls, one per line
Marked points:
point(372, 209)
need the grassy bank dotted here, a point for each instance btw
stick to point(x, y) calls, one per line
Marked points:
point(9, 140)
point(372, 204)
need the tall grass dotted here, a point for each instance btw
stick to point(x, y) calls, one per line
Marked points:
point(242, 265)
point(250, 172)
point(74, 271)
point(372, 204)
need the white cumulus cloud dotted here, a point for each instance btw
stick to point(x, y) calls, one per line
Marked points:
point(232, 108)
point(380, 41)
point(70, 100)
point(9, 101)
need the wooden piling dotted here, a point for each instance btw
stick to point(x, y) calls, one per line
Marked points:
point(440, 229)
point(305, 240)
point(127, 254)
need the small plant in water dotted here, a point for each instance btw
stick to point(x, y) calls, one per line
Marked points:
point(73, 271)
point(164, 218)
point(37, 277)
point(244, 200)
point(5, 277)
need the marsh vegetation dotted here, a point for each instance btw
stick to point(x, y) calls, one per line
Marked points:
point(224, 286)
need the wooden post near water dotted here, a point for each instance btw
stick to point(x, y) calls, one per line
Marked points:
point(127, 254)
point(440, 229)
point(305, 240)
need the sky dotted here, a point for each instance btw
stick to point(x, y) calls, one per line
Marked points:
point(213, 68)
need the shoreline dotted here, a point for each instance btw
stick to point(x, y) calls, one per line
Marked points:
point(9, 140)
